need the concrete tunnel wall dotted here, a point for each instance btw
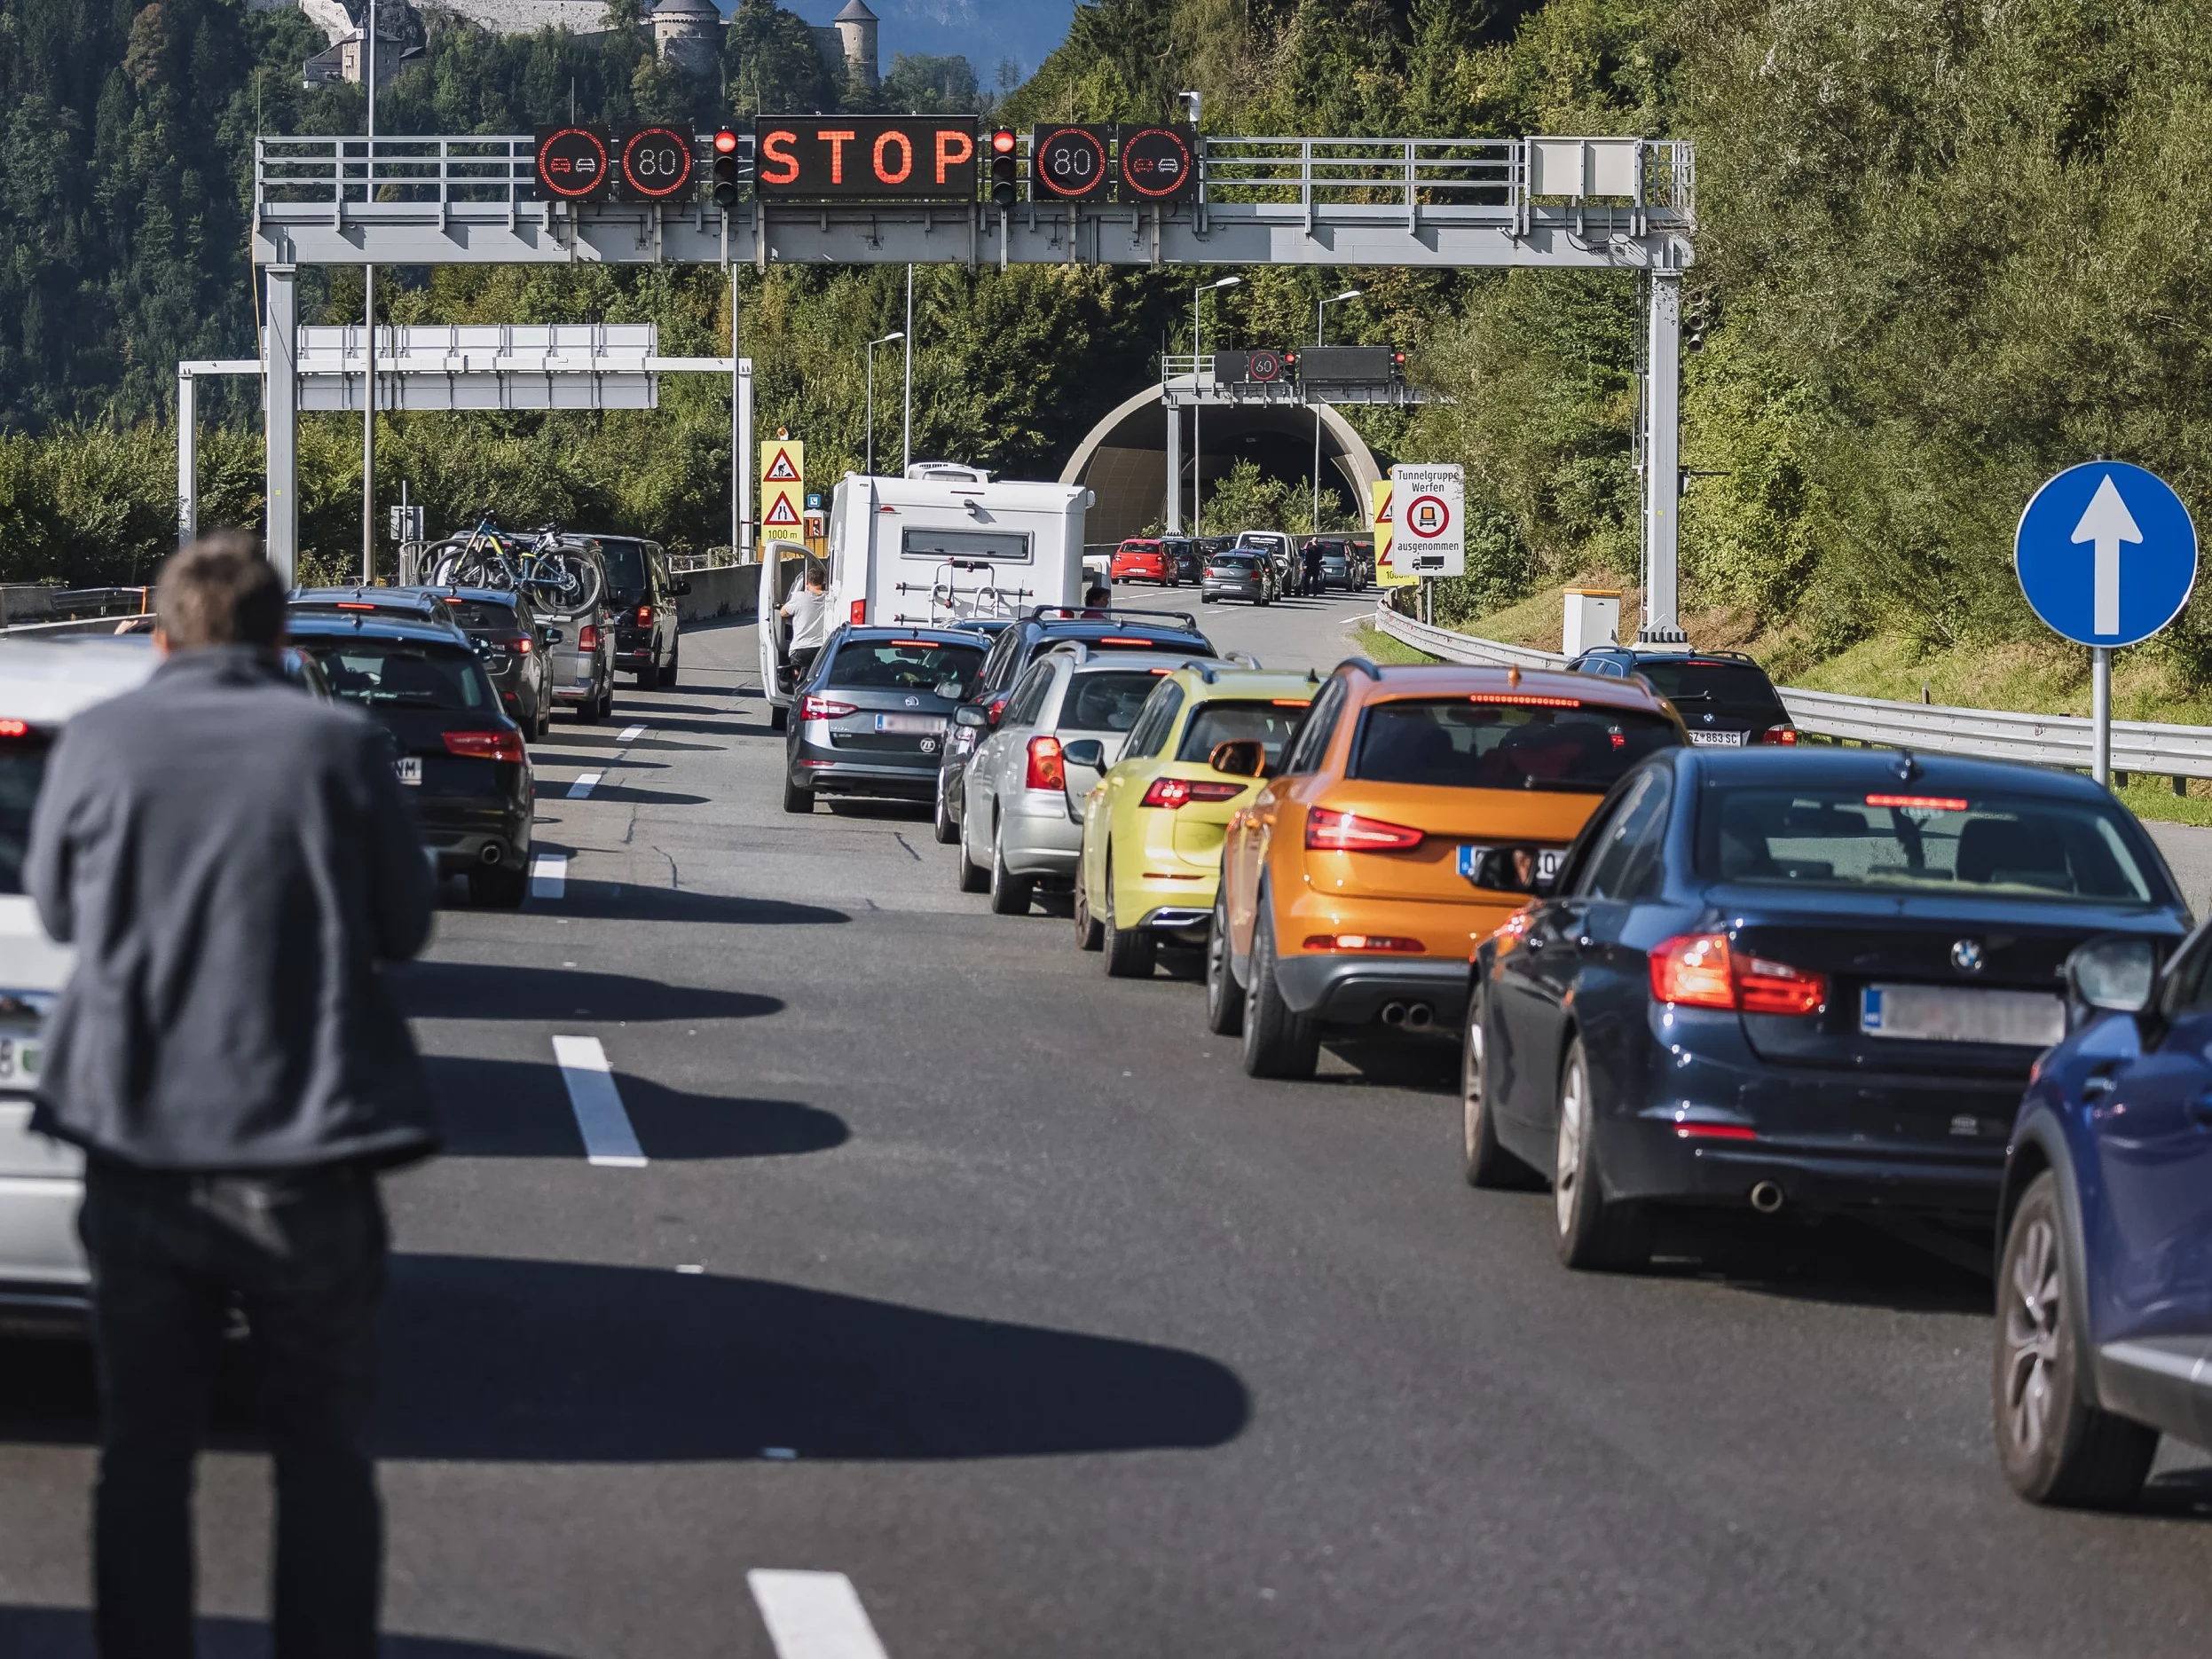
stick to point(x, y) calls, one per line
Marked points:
point(1124, 458)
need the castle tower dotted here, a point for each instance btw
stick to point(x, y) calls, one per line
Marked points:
point(689, 34)
point(856, 29)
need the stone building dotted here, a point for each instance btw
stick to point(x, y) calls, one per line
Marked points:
point(849, 44)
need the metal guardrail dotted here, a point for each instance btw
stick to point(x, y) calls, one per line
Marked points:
point(2050, 739)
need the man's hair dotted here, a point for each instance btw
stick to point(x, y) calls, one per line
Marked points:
point(816, 576)
point(219, 591)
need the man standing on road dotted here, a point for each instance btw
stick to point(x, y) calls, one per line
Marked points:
point(808, 608)
point(1309, 557)
point(233, 859)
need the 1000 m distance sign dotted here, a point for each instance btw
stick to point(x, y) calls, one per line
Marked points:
point(864, 158)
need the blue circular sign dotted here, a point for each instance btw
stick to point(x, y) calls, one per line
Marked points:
point(2106, 553)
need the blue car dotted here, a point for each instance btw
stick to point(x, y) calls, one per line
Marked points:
point(1777, 977)
point(2104, 1336)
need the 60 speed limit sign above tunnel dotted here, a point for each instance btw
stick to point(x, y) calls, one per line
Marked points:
point(1427, 538)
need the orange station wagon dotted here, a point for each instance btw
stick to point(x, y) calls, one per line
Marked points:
point(1415, 810)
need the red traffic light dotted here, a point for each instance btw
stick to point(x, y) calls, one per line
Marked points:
point(725, 143)
point(1002, 141)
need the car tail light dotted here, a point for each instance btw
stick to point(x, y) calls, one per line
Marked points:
point(1373, 943)
point(1045, 770)
point(1779, 734)
point(1704, 970)
point(521, 646)
point(1688, 1130)
point(347, 604)
point(1919, 803)
point(1525, 701)
point(1332, 832)
point(815, 707)
point(859, 613)
point(15, 728)
point(644, 616)
point(506, 746)
point(1173, 792)
point(587, 637)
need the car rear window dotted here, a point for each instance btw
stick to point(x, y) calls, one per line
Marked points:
point(483, 616)
point(1909, 838)
point(1228, 720)
point(1737, 691)
point(1557, 744)
point(400, 673)
point(902, 665)
point(1242, 561)
point(1140, 547)
point(1106, 700)
point(22, 768)
point(625, 568)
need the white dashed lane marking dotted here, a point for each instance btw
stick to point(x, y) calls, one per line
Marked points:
point(548, 875)
point(813, 1615)
point(631, 734)
point(581, 790)
point(608, 1138)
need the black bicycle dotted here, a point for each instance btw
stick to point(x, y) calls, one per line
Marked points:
point(556, 574)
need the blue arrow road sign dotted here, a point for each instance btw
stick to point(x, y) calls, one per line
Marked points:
point(2106, 553)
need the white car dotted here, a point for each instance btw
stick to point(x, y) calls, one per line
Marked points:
point(43, 684)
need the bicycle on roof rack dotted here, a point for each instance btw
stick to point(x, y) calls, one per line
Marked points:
point(557, 573)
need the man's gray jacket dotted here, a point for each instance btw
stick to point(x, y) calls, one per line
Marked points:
point(232, 858)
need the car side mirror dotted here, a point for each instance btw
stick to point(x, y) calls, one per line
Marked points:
point(1085, 751)
point(1240, 757)
point(2115, 972)
point(682, 590)
point(968, 715)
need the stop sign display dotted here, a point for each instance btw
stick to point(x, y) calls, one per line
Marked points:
point(655, 164)
point(574, 163)
point(1068, 163)
point(1158, 163)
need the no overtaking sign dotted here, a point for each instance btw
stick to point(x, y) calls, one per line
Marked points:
point(1430, 504)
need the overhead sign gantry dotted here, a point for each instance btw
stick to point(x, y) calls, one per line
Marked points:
point(915, 190)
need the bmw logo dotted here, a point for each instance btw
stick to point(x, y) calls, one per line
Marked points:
point(1966, 956)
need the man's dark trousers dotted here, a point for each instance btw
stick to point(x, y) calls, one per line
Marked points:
point(303, 1252)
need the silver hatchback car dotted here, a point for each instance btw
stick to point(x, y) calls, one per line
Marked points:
point(1023, 800)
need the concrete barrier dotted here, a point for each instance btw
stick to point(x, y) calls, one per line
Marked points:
point(723, 590)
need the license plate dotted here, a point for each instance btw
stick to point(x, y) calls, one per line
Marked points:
point(1547, 861)
point(923, 725)
point(1715, 740)
point(408, 769)
point(1942, 1013)
point(19, 1058)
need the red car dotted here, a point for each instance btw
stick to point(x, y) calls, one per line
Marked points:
point(1145, 560)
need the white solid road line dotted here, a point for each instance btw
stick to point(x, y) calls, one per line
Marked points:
point(582, 788)
point(548, 875)
point(631, 734)
point(813, 1615)
point(608, 1138)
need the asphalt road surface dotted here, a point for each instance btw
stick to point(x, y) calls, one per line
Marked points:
point(900, 1272)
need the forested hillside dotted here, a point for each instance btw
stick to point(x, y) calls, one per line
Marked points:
point(1944, 250)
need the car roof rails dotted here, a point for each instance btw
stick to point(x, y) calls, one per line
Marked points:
point(1207, 671)
point(1113, 614)
point(1365, 666)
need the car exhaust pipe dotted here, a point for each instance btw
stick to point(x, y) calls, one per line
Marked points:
point(1767, 1198)
point(1393, 1014)
point(1419, 1016)
point(491, 853)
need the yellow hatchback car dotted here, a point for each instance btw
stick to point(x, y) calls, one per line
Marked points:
point(1153, 826)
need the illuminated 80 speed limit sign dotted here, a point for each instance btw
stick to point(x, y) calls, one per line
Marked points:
point(1431, 502)
point(1067, 163)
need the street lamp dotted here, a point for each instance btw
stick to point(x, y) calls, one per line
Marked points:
point(872, 344)
point(1320, 306)
point(1198, 475)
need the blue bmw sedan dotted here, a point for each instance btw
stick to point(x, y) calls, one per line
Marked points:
point(1778, 977)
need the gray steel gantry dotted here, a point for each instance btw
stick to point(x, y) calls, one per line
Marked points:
point(1538, 203)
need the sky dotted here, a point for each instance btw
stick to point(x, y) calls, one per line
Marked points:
point(981, 31)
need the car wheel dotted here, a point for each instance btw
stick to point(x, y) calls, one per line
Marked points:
point(972, 876)
point(940, 823)
point(1487, 1163)
point(1090, 931)
point(779, 717)
point(796, 799)
point(1205, 599)
point(588, 711)
point(1224, 997)
point(1592, 1234)
point(1130, 953)
point(2053, 1447)
point(648, 676)
point(501, 887)
point(1009, 892)
point(668, 669)
point(1278, 1042)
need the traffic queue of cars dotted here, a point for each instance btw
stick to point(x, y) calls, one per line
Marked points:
point(1691, 964)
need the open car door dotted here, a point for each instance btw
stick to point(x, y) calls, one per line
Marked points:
point(781, 564)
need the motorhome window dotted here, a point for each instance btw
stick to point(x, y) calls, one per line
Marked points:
point(997, 545)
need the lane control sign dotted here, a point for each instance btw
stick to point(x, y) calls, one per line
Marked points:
point(2106, 553)
point(1429, 538)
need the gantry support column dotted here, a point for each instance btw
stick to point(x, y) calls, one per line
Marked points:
point(1175, 469)
point(281, 398)
point(187, 456)
point(1663, 463)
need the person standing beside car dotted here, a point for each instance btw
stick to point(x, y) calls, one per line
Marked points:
point(808, 608)
point(234, 862)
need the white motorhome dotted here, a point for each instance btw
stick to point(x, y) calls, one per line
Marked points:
point(942, 545)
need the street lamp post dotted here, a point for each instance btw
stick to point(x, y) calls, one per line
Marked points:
point(368, 334)
point(1320, 306)
point(872, 344)
point(1197, 472)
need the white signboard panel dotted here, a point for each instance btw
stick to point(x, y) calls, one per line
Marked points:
point(1429, 537)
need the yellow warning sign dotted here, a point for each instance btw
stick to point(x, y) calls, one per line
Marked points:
point(783, 483)
point(1379, 520)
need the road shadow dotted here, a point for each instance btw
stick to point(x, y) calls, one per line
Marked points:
point(520, 1109)
point(862, 807)
point(1844, 1260)
point(1425, 1063)
point(469, 990)
point(66, 1633)
point(2179, 1495)
point(493, 1359)
point(628, 901)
